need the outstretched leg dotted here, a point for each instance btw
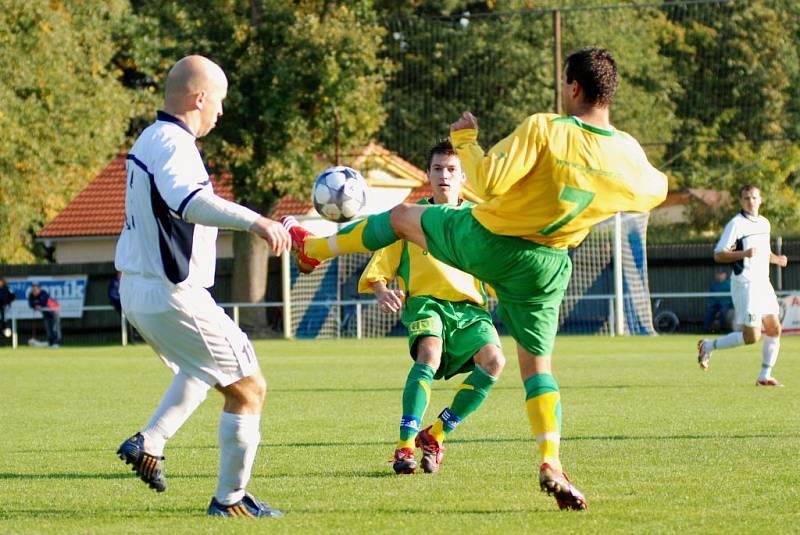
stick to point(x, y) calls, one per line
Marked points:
point(747, 336)
point(370, 234)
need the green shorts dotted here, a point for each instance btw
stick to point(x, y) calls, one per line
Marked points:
point(530, 279)
point(463, 327)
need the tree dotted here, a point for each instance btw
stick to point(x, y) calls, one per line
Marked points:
point(739, 103)
point(303, 77)
point(496, 59)
point(63, 110)
point(456, 56)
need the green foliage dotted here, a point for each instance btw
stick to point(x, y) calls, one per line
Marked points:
point(295, 70)
point(498, 67)
point(634, 38)
point(738, 107)
point(63, 111)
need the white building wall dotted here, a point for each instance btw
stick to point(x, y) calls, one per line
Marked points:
point(78, 251)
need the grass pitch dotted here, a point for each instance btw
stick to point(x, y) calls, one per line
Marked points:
point(655, 444)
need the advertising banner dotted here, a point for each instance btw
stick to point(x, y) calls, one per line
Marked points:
point(790, 313)
point(69, 291)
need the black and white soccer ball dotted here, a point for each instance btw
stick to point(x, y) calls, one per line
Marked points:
point(339, 193)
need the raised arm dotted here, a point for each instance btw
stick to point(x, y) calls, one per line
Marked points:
point(493, 173)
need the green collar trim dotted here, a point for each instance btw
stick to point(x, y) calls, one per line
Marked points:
point(580, 124)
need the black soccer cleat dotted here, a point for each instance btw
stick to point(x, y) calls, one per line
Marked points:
point(149, 468)
point(249, 507)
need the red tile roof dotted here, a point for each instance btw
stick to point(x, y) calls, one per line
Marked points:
point(291, 206)
point(712, 198)
point(422, 192)
point(376, 155)
point(99, 210)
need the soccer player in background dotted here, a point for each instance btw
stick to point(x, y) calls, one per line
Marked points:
point(167, 255)
point(545, 186)
point(449, 329)
point(745, 243)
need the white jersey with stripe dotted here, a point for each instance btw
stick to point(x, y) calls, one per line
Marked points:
point(165, 170)
point(745, 232)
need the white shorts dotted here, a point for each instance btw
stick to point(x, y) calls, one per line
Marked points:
point(752, 301)
point(188, 330)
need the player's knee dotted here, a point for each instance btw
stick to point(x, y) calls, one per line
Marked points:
point(431, 358)
point(399, 219)
point(492, 360)
point(751, 337)
point(429, 352)
point(246, 395)
point(260, 387)
point(773, 330)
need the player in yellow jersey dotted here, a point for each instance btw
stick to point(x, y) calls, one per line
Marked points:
point(545, 185)
point(449, 329)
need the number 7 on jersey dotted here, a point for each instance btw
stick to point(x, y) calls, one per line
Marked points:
point(580, 197)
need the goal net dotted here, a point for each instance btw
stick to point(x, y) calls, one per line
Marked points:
point(326, 303)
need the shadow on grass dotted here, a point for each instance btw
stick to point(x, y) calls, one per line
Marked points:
point(398, 389)
point(493, 440)
point(106, 513)
point(64, 475)
point(198, 513)
point(88, 475)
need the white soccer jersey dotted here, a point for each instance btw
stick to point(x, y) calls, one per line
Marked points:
point(164, 171)
point(744, 232)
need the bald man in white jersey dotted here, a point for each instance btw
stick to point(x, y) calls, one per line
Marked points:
point(167, 255)
point(745, 243)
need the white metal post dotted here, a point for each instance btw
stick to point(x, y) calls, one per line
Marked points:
point(236, 314)
point(359, 333)
point(779, 270)
point(286, 291)
point(124, 328)
point(14, 335)
point(612, 322)
point(618, 285)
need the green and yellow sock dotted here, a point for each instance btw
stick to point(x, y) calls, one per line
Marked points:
point(416, 395)
point(543, 402)
point(370, 234)
point(469, 396)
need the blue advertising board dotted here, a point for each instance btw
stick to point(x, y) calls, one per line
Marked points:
point(69, 291)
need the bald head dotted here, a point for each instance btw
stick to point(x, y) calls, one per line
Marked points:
point(193, 74)
point(196, 87)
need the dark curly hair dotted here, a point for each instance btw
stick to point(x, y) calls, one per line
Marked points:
point(596, 72)
point(444, 146)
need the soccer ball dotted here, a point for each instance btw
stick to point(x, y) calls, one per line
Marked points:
point(339, 193)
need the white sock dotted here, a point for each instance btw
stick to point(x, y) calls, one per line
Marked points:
point(733, 339)
point(181, 399)
point(239, 436)
point(769, 354)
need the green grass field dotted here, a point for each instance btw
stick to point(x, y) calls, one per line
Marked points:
point(655, 444)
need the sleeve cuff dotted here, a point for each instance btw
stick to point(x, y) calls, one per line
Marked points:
point(459, 137)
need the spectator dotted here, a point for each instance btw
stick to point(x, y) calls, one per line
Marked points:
point(719, 306)
point(40, 300)
point(113, 292)
point(6, 298)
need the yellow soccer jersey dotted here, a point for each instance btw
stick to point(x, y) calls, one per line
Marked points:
point(419, 273)
point(555, 177)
